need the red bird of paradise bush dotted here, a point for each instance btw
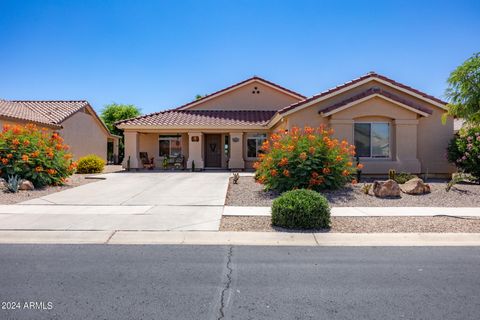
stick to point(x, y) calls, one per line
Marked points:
point(309, 158)
point(34, 154)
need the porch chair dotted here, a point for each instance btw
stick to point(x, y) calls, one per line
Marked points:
point(146, 162)
point(179, 162)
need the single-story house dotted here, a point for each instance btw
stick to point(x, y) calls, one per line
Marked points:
point(392, 125)
point(76, 121)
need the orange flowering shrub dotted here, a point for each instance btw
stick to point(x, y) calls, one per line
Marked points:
point(34, 154)
point(305, 159)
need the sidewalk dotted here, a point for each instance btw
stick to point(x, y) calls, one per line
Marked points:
point(239, 238)
point(366, 211)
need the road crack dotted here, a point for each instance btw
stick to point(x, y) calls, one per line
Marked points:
point(111, 236)
point(227, 284)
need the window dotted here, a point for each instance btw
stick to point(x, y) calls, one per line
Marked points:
point(170, 146)
point(372, 140)
point(254, 142)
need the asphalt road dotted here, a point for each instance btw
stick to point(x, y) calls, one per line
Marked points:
point(211, 282)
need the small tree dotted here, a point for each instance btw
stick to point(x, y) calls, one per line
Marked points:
point(114, 112)
point(464, 91)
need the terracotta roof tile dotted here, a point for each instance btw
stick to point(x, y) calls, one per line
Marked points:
point(372, 91)
point(354, 81)
point(51, 113)
point(55, 111)
point(213, 118)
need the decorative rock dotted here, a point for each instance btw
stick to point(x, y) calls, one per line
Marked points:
point(26, 185)
point(386, 189)
point(415, 186)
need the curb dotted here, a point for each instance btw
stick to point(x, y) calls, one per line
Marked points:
point(238, 238)
point(367, 211)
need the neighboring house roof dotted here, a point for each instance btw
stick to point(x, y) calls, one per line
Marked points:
point(238, 85)
point(50, 113)
point(358, 81)
point(15, 111)
point(56, 111)
point(370, 93)
point(201, 118)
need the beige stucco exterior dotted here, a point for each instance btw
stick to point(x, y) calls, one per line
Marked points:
point(417, 138)
point(84, 135)
point(243, 98)
point(418, 143)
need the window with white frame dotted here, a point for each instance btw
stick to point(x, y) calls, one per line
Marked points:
point(372, 139)
point(254, 143)
point(170, 146)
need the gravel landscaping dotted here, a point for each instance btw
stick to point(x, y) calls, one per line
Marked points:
point(11, 198)
point(362, 224)
point(249, 193)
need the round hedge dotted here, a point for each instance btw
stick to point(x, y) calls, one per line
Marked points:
point(90, 164)
point(301, 209)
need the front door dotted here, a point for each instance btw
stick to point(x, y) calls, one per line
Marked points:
point(213, 150)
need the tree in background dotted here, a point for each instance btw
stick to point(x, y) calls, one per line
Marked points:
point(114, 112)
point(464, 91)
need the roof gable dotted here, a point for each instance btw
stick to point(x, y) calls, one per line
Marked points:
point(371, 76)
point(254, 80)
point(370, 94)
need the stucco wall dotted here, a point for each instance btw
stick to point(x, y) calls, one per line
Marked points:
point(433, 139)
point(84, 135)
point(243, 99)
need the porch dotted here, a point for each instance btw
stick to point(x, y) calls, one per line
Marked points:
point(207, 149)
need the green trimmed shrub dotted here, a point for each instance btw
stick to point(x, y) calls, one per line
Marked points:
point(301, 209)
point(90, 164)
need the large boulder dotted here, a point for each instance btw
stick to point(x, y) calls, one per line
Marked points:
point(26, 185)
point(415, 186)
point(386, 189)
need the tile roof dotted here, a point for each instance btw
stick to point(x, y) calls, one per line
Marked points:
point(213, 118)
point(239, 84)
point(354, 81)
point(51, 113)
point(55, 111)
point(373, 91)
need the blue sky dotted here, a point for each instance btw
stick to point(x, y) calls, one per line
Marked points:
point(160, 54)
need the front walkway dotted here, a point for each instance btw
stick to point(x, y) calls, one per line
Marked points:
point(127, 201)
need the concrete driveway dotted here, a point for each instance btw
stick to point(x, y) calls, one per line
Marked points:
point(127, 201)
